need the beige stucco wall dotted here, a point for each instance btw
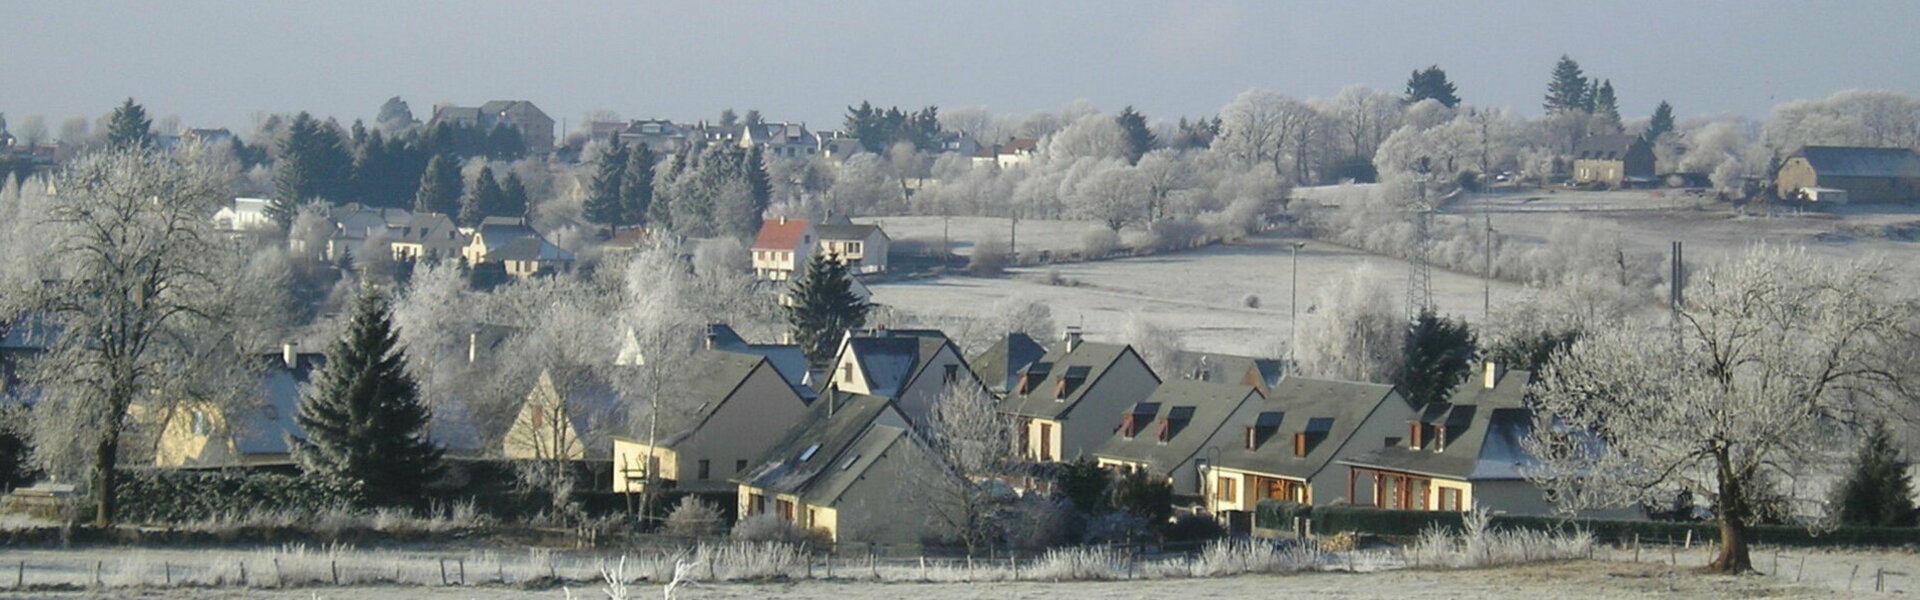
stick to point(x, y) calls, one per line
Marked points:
point(1601, 171)
point(751, 420)
point(1796, 174)
point(535, 434)
point(1091, 422)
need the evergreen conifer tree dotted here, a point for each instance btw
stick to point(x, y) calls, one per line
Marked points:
point(1606, 106)
point(602, 205)
point(364, 420)
point(1431, 83)
point(823, 307)
point(482, 199)
point(1568, 88)
point(313, 164)
point(1877, 492)
point(1437, 352)
point(128, 126)
point(513, 197)
point(439, 186)
point(1661, 123)
point(1140, 140)
point(636, 185)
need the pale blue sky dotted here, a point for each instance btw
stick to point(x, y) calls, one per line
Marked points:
point(216, 63)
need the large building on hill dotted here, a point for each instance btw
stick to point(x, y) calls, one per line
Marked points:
point(1857, 174)
point(533, 124)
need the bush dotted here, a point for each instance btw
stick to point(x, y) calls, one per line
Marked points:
point(1194, 528)
point(989, 258)
point(1250, 301)
point(172, 496)
point(769, 527)
point(1099, 243)
point(693, 518)
point(1176, 234)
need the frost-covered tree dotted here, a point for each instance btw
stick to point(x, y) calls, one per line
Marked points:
point(1155, 342)
point(124, 260)
point(1364, 117)
point(1352, 331)
point(1112, 194)
point(1093, 136)
point(364, 420)
point(1745, 384)
point(395, 116)
point(972, 442)
point(1260, 126)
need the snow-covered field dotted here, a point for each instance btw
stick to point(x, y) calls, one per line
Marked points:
point(1828, 575)
point(1032, 235)
point(1200, 294)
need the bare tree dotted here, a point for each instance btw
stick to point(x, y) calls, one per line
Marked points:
point(136, 280)
point(1155, 342)
point(970, 436)
point(1772, 354)
point(662, 325)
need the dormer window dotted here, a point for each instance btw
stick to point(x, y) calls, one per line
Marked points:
point(1415, 439)
point(807, 454)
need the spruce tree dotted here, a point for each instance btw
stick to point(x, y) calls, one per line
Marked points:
point(1139, 138)
point(313, 164)
point(439, 186)
point(602, 205)
point(1606, 106)
point(513, 197)
point(1661, 123)
point(482, 199)
point(1437, 351)
point(1877, 491)
point(1431, 84)
point(636, 185)
point(129, 127)
point(823, 307)
point(1568, 88)
point(364, 420)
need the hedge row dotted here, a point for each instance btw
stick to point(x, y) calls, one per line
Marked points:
point(1272, 514)
point(168, 495)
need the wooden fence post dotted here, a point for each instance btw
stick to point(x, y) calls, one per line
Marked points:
point(443, 571)
point(96, 573)
point(463, 571)
point(334, 565)
point(167, 569)
point(279, 577)
point(20, 576)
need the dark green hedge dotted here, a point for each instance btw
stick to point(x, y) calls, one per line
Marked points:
point(1328, 519)
point(170, 495)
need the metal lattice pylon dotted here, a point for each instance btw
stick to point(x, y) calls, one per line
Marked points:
point(1419, 271)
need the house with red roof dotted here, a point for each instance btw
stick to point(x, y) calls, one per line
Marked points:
point(783, 246)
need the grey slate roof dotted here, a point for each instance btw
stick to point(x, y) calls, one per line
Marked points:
point(1483, 432)
point(1605, 147)
point(528, 249)
point(1040, 401)
point(829, 451)
point(1841, 161)
point(717, 375)
point(1000, 365)
point(1225, 368)
point(893, 358)
point(829, 231)
point(1191, 411)
point(787, 359)
point(1328, 411)
point(266, 427)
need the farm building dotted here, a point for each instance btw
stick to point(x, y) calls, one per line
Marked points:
point(1861, 174)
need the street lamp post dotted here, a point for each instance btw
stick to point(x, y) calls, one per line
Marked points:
point(1293, 306)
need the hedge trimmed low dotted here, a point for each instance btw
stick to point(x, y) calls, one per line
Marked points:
point(1272, 514)
point(169, 495)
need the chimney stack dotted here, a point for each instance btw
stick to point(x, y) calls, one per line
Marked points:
point(473, 347)
point(289, 356)
point(1494, 372)
point(1073, 337)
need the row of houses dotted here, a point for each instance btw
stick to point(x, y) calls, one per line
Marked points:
point(1819, 174)
point(396, 233)
point(845, 449)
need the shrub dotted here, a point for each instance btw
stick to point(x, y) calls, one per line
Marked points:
point(693, 518)
point(1149, 497)
point(1099, 243)
point(1250, 301)
point(989, 258)
point(171, 496)
point(1194, 528)
point(1034, 522)
point(1176, 234)
point(769, 527)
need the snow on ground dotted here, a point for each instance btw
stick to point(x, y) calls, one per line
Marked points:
point(963, 232)
point(1578, 579)
point(1199, 294)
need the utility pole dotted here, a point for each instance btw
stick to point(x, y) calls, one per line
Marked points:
point(1013, 239)
point(1486, 284)
point(1293, 307)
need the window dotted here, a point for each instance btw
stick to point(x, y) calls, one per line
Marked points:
point(850, 460)
point(853, 247)
point(846, 372)
point(1046, 441)
point(953, 374)
point(1224, 489)
point(705, 469)
point(1450, 499)
point(201, 425)
point(806, 455)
